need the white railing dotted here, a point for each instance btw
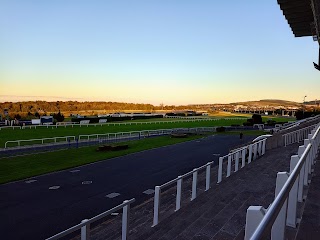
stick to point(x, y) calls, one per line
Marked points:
point(257, 148)
point(178, 181)
point(260, 222)
point(85, 224)
point(247, 154)
point(12, 127)
point(297, 136)
point(41, 140)
point(72, 124)
point(111, 136)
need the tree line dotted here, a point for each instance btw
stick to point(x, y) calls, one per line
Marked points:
point(40, 108)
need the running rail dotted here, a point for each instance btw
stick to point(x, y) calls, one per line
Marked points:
point(279, 205)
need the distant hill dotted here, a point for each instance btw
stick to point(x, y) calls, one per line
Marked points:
point(269, 102)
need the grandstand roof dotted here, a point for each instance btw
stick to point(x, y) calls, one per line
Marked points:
point(303, 17)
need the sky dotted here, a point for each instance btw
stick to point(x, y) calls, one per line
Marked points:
point(153, 51)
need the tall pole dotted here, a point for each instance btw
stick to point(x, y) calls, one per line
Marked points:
point(304, 102)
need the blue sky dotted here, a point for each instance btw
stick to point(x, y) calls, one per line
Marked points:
point(152, 51)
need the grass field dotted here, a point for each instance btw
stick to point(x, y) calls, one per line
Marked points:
point(21, 167)
point(42, 132)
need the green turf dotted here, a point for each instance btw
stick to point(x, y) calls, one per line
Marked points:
point(21, 167)
point(42, 132)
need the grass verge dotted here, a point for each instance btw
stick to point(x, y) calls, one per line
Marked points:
point(21, 167)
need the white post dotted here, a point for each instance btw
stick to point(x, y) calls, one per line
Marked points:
point(255, 149)
point(278, 228)
point(220, 169)
point(306, 172)
point(293, 196)
point(194, 184)
point(125, 220)
point(208, 168)
point(236, 165)
point(285, 140)
point(157, 190)
point(250, 153)
point(85, 230)
point(229, 165)
point(264, 146)
point(301, 175)
point(253, 218)
point(243, 158)
point(178, 198)
point(260, 148)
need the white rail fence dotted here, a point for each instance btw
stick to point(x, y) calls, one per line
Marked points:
point(84, 226)
point(40, 141)
point(262, 223)
point(107, 136)
point(72, 124)
point(298, 135)
point(247, 154)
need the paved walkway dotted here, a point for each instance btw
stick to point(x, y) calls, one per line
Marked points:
point(216, 214)
point(309, 228)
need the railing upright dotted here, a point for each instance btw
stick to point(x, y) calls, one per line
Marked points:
point(194, 184)
point(179, 190)
point(157, 191)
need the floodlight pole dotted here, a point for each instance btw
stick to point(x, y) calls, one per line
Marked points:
point(304, 104)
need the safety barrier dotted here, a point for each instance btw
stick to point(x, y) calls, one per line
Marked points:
point(85, 224)
point(246, 154)
point(298, 135)
point(262, 223)
point(72, 124)
point(257, 148)
point(113, 136)
point(178, 181)
point(41, 140)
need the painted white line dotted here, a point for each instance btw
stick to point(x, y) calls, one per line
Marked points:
point(54, 187)
point(113, 195)
point(216, 154)
point(30, 181)
point(86, 182)
point(114, 214)
point(149, 191)
point(74, 171)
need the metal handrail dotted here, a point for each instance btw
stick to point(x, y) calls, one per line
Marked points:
point(91, 220)
point(266, 224)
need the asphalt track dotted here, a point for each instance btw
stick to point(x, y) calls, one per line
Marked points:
point(30, 210)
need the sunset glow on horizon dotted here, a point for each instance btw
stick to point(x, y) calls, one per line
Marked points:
point(171, 52)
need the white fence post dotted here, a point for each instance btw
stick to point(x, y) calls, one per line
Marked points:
point(278, 228)
point(208, 168)
point(307, 162)
point(253, 218)
point(236, 165)
point(243, 158)
point(157, 190)
point(178, 197)
point(229, 165)
point(293, 196)
point(85, 231)
point(220, 169)
point(255, 150)
point(301, 175)
point(125, 220)
point(194, 184)
point(264, 146)
point(250, 154)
